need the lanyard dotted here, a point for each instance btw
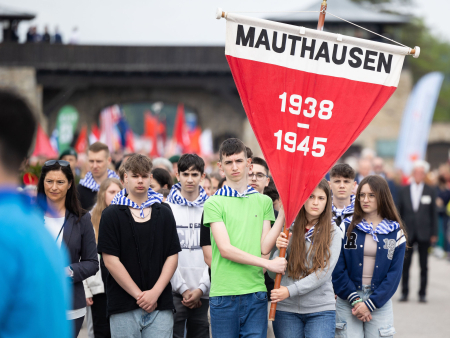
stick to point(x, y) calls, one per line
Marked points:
point(60, 230)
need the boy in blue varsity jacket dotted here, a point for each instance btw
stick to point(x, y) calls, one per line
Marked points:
point(370, 266)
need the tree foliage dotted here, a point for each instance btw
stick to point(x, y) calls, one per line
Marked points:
point(434, 56)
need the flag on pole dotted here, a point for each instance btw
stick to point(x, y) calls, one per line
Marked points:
point(151, 132)
point(43, 147)
point(416, 121)
point(109, 117)
point(308, 94)
point(181, 133)
point(94, 136)
point(82, 142)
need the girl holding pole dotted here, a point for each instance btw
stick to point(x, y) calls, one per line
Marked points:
point(306, 301)
point(370, 265)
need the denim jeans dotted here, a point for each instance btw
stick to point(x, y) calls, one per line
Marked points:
point(348, 326)
point(239, 316)
point(141, 324)
point(307, 325)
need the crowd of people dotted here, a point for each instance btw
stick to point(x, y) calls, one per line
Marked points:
point(46, 37)
point(33, 36)
point(160, 248)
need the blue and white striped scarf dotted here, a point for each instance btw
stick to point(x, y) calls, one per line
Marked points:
point(348, 210)
point(122, 199)
point(89, 182)
point(175, 197)
point(229, 192)
point(383, 228)
point(309, 234)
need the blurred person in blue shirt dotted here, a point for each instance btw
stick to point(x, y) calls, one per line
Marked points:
point(34, 290)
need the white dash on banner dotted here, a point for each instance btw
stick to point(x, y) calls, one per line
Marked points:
point(302, 125)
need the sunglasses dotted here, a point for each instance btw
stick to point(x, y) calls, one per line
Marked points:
point(53, 162)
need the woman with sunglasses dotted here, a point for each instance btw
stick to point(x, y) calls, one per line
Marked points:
point(68, 223)
point(370, 265)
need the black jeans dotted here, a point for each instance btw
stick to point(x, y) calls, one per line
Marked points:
point(99, 319)
point(423, 247)
point(195, 320)
point(77, 325)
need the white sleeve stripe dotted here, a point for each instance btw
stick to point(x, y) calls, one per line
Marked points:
point(400, 234)
point(400, 241)
point(371, 303)
point(352, 295)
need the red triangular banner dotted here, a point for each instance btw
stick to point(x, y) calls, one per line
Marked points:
point(307, 95)
point(43, 146)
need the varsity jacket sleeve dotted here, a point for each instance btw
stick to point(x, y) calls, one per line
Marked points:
point(315, 280)
point(178, 283)
point(342, 284)
point(205, 282)
point(390, 283)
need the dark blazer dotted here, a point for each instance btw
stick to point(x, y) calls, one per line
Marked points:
point(79, 239)
point(421, 224)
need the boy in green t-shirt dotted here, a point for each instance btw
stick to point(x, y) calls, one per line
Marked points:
point(240, 219)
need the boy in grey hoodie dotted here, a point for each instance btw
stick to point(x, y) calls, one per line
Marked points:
point(190, 282)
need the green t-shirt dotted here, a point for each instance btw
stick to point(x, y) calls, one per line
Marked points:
point(243, 218)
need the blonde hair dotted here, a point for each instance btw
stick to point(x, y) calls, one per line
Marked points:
point(96, 213)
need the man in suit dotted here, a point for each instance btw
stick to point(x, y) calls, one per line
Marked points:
point(417, 207)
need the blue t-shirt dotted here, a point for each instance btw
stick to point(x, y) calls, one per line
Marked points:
point(34, 290)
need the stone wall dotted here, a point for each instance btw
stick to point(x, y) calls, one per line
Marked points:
point(23, 81)
point(214, 111)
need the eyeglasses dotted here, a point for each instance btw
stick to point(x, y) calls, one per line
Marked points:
point(259, 176)
point(62, 163)
point(371, 197)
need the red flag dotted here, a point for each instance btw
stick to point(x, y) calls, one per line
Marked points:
point(43, 146)
point(194, 137)
point(151, 132)
point(82, 143)
point(180, 130)
point(95, 134)
point(129, 141)
point(308, 95)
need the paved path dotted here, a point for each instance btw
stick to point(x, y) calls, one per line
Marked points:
point(414, 319)
point(431, 320)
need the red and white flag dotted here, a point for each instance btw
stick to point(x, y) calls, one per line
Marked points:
point(308, 94)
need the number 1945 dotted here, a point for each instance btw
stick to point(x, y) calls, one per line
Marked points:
point(290, 139)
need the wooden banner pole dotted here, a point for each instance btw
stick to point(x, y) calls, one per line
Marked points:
point(323, 8)
point(273, 306)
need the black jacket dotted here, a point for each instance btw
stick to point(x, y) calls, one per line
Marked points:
point(143, 252)
point(422, 224)
point(79, 239)
point(87, 197)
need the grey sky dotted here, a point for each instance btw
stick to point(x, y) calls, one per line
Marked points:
point(170, 22)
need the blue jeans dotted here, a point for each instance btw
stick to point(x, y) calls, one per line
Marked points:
point(239, 316)
point(140, 324)
point(348, 326)
point(307, 325)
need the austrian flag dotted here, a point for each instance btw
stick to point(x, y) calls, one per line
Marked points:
point(308, 95)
